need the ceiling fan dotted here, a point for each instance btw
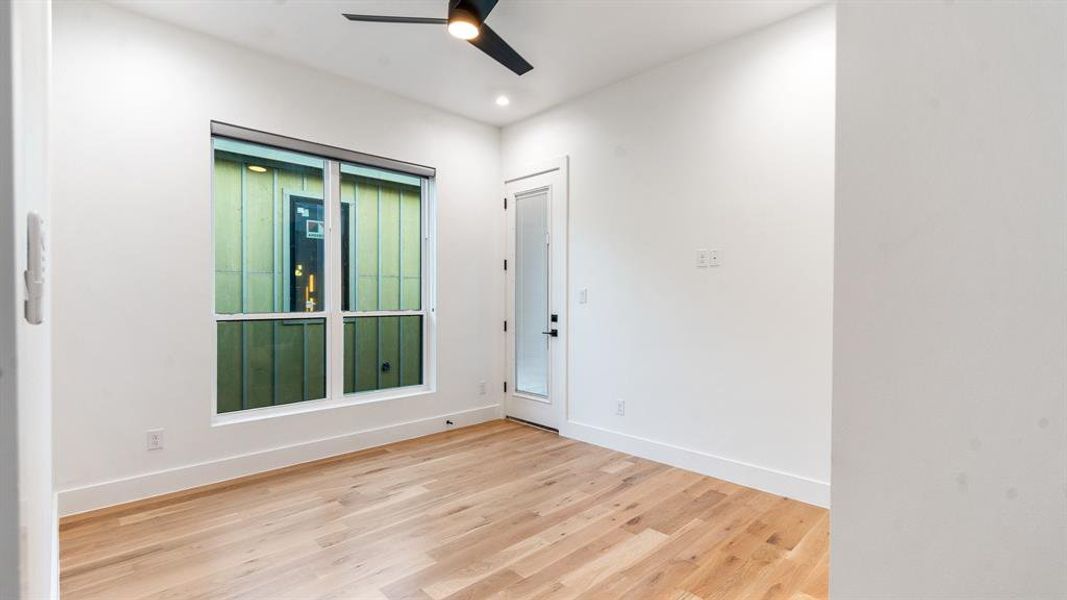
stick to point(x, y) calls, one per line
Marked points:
point(466, 21)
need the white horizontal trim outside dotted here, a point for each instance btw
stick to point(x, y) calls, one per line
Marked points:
point(764, 479)
point(383, 313)
point(284, 316)
point(127, 489)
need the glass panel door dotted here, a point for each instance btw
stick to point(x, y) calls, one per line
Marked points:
point(531, 292)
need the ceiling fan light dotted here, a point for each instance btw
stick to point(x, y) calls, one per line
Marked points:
point(463, 29)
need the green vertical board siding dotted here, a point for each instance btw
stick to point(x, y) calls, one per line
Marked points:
point(389, 233)
point(227, 237)
point(288, 182)
point(277, 362)
point(348, 197)
point(410, 350)
point(349, 362)
point(366, 245)
point(365, 355)
point(289, 361)
point(389, 351)
point(411, 248)
point(316, 360)
point(260, 237)
point(371, 342)
point(229, 375)
point(249, 245)
point(259, 352)
point(387, 243)
point(313, 183)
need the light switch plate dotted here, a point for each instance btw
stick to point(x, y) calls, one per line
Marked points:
point(703, 258)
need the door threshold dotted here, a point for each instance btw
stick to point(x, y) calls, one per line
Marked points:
point(532, 424)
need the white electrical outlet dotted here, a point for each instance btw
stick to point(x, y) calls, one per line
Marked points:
point(481, 388)
point(707, 258)
point(620, 407)
point(583, 295)
point(154, 439)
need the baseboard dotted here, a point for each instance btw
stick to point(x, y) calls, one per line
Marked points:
point(118, 491)
point(753, 476)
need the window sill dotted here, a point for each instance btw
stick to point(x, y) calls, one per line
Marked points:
point(309, 406)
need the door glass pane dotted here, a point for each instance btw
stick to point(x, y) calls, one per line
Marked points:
point(531, 292)
point(382, 352)
point(269, 229)
point(381, 245)
point(266, 363)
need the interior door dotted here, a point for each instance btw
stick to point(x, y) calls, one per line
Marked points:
point(536, 296)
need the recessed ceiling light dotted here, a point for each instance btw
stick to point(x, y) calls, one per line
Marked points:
point(502, 100)
point(257, 169)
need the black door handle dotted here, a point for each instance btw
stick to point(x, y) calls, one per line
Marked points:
point(553, 333)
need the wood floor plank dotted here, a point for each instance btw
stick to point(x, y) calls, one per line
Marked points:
point(496, 510)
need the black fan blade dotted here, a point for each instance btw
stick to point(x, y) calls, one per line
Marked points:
point(495, 46)
point(481, 7)
point(384, 19)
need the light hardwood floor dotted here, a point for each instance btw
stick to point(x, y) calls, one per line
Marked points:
point(497, 510)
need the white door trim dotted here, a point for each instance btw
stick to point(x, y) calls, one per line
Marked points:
point(28, 531)
point(559, 390)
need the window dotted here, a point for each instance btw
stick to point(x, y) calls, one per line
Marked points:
point(381, 279)
point(304, 309)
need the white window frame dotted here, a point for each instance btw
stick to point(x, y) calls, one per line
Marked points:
point(332, 314)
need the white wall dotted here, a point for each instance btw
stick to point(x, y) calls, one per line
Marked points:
point(134, 331)
point(951, 304)
point(724, 370)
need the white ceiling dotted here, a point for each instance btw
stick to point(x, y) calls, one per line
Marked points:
point(575, 45)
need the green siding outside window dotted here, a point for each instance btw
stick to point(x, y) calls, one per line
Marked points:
point(382, 224)
point(382, 352)
point(270, 362)
point(271, 244)
point(255, 267)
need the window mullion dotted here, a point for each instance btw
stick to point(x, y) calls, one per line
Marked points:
point(335, 322)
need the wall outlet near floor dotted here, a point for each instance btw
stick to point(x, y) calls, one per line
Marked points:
point(703, 258)
point(620, 408)
point(481, 388)
point(583, 295)
point(707, 258)
point(154, 439)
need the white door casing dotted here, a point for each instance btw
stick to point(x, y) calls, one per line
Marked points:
point(28, 556)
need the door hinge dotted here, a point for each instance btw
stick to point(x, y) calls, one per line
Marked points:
point(505, 325)
point(505, 202)
point(505, 387)
point(505, 264)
